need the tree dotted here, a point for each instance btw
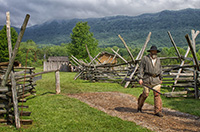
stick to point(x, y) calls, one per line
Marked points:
point(29, 49)
point(4, 57)
point(57, 50)
point(79, 38)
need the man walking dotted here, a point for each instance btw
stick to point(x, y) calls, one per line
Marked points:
point(150, 74)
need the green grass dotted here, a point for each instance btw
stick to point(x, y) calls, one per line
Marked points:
point(52, 113)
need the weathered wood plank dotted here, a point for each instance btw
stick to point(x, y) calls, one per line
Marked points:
point(22, 100)
point(181, 74)
point(3, 121)
point(26, 121)
point(8, 34)
point(196, 88)
point(57, 78)
point(3, 96)
point(127, 48)
point(78, 74)
point(183, 86)
point(23, 95)
point(4, 89)
point(176, 96)
point(30, 68)
point(192, 51)
point(194, 35)
point(179, 94)
point(25, 113)
point(175, 47)
point(15, 101)
point(184, 79)
point(3, 111)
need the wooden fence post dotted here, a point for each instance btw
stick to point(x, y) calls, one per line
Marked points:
point(13, 82)
point(172, 40)
point(15, 101)
point(196, 89)
point(57, 75)
point(8, 34)
point(192, 51)
point(127, 48)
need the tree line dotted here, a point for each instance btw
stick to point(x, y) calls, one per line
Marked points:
point(32, 54)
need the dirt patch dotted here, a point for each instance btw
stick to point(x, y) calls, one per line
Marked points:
point(124, 106)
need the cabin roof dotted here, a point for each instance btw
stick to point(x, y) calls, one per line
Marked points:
point(58, 58)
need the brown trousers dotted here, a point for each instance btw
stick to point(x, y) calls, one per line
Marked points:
point(157, 98)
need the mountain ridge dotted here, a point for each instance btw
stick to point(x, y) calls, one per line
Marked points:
point(134, 29)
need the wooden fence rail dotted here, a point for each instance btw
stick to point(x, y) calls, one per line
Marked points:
point(183, 76)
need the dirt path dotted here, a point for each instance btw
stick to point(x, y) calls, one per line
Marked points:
point(124, 106)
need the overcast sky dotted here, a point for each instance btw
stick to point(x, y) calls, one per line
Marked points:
point(45, 10)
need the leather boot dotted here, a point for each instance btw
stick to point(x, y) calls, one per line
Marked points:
point(141, 101)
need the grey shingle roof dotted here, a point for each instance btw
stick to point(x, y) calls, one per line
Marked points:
point(58, 58)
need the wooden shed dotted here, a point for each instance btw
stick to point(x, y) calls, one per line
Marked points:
point(106, 57)
point(57, 62)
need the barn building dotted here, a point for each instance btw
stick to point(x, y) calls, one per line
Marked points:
point(57, 62)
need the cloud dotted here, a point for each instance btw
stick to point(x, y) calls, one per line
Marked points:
point(44, 10)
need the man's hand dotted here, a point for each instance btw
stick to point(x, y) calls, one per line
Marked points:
point(140, 82)
point(160, 82)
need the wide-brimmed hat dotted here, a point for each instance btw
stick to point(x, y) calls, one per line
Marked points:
point(153, 47)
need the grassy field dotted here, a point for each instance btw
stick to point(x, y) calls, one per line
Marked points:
point(52, 113)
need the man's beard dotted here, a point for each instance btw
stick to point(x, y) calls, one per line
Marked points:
point(154, 56)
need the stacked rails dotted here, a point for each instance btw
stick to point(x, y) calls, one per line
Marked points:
point(25, 86)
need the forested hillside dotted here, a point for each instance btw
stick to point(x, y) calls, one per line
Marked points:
point(134, 29)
